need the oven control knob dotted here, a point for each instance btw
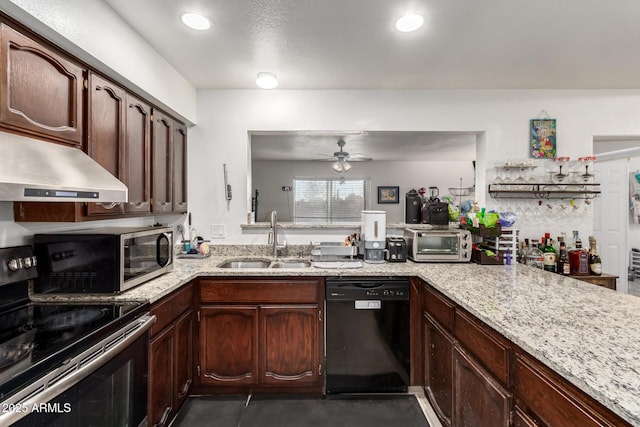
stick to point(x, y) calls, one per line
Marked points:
point(15, 264)
point(464, 246)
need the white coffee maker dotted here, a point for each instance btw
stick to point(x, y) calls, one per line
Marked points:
point(373, 235)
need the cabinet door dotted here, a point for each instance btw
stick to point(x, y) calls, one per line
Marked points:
point(479, 399)
point(184, 329)
point(438, 369)
point(40, 90)
point(106, 134)
point(228, 345)
point(179, 168)
point(162, 162)
point(289, 337)
point(161, 378)
point(137, 164)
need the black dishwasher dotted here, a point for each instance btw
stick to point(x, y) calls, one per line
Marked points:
point(367, 335)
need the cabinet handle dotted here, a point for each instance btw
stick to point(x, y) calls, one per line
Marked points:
point(165, 417)
point(139, 205)
point(163, 204)
point(184, 389)
point(110, 205)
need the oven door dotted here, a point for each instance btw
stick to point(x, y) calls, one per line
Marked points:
point(105, 385)
point(437, 246)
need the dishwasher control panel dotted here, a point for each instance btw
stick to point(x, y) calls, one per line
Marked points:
point(352, 289)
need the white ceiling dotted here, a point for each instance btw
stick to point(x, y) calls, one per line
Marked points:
point(380, 146)
point(349, 44)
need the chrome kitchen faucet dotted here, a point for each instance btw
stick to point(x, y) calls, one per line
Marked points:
point(273, 235)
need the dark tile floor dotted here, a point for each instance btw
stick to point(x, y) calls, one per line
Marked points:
point(284, 411)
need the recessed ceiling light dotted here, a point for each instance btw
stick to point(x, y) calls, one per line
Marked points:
point(409, 23)
point(196, 21)
point(266, 80)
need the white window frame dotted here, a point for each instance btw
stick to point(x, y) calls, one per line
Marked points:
point(330, 220)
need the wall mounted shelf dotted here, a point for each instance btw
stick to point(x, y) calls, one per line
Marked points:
point(544, 190)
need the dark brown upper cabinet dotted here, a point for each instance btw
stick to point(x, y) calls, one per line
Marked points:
point(41, 91)
point(180, 168)
point(162, 162)
point(106, 134)
point(137, 155)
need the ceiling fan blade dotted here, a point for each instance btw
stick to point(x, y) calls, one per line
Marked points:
point(358, 158)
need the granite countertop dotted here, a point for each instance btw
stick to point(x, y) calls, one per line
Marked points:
point(588, 334)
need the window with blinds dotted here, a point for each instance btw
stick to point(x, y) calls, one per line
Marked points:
point(327, 200)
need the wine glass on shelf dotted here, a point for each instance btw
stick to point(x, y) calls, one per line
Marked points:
point(549, 168)
point(561, 175)
point(587, 161)
point(575, 169)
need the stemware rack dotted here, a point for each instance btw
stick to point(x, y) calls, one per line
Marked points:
point(545, 190)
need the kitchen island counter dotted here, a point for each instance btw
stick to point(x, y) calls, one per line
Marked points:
point(588, 334)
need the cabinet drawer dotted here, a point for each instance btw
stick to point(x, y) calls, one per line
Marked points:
point(438, 307)
point(546, 395)
point(171, 307)
point(259, 291)
point(485, 344)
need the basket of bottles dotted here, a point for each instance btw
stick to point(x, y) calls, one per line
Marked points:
point(485, 256)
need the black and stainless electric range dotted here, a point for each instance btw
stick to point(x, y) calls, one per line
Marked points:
point(68, 364)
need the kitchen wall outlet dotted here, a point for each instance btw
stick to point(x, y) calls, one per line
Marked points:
point(217, 231)
point(286, 188)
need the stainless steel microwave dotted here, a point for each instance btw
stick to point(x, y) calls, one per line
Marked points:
point(103, 260)
point(450, 245)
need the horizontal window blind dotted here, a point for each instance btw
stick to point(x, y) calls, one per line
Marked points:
point(327, 200)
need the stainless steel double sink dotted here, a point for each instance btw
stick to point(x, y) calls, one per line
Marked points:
point(264, 263)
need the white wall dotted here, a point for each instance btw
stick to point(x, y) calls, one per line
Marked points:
point(633, 238)
point(105, 40)
point(269, 177)
point(225, 117)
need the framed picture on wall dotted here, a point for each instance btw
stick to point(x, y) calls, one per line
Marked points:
point(388, 194)
point(542, 138)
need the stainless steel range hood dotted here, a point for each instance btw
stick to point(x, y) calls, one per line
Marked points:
point(38, 171)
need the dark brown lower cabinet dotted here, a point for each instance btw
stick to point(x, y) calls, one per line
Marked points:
point(250, 345)
point(289, 344)
point(228, 345)
point(474, 376)
point(260, 334)
point(553, 400)
point(161, 363)
point(438, 368)
point(479, 399)
point(184, 329)
point(521, 419)
point(171, 359)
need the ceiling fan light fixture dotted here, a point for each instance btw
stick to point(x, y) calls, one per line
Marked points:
point(341, 166)
point(409, 23)
point(195, 21)
point(266, 80)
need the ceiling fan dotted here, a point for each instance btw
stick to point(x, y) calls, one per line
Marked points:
point(342, 158)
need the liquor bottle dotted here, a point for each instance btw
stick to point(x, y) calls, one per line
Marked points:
point(535, 257)
point(549, 254)
point(579, 260)
point(522, 253)
point(595, 263)
point(562, 265)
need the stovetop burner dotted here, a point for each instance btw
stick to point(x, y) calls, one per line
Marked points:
point(36, 337)
point(70, 319)
point(52, 332)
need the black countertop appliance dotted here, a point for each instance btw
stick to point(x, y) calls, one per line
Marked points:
point(434, 211)
point(396, 249)
point(413, 205)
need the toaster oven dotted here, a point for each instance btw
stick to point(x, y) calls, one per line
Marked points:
point(450, 245)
